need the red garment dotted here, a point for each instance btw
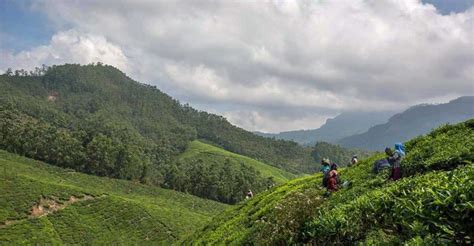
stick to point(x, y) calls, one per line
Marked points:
point(332, 184)
point(396, 173)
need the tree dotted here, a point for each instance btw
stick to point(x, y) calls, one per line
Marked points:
point(9, 72)
point(101, 155)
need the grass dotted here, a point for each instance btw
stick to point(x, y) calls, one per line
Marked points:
point(433, 204)
point(122, 212)
point(211, 154)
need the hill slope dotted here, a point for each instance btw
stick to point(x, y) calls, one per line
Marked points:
point(96, 120)
point(197, 150)
point(101, 97)
point(432, 204)
point(415, 121)
point(344, 125)
point(202, 170)
point(43, 204)
point(221, 175)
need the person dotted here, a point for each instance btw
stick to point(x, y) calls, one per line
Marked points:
point(249, 194)
point(400, 148)
point(395, 158)
point(332, 181)
point(381, 164)
point(354, 160)
point(325, 165)
point(325, 170)
point(333, 172)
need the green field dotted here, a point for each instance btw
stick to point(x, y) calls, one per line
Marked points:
point(432, 205)
point(213, 155)
point(84, 209)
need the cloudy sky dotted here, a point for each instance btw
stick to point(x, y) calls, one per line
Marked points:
point(264, 65)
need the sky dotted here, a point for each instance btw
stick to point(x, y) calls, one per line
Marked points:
point(268, 65)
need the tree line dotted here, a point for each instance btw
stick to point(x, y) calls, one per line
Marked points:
point(104, 149)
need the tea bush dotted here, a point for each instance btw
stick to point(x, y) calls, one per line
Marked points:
point(438, 204)
point(444, 148)
point(432, 204)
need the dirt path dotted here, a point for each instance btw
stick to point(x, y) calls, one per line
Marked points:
point(47, 206)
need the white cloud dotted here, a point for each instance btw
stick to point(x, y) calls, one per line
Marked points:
point(67, 47)
point(321, 56)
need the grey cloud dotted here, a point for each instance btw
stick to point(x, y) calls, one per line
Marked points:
point(321, 56)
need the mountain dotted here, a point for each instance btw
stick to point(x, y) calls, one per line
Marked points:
point(41, 204)
point(344, 125)
point(430, 205)
point(414, 121)
point(95, 119)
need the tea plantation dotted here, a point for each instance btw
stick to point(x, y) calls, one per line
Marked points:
point(81, 209)
point(214, 173)
point(433, 204)
point(213, 155)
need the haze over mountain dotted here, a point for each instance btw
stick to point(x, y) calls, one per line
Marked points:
point(344, 125)
point(414, 121)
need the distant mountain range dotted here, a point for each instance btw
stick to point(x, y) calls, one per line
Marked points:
point(375, 130)
point(414, 121)
point(344, 125)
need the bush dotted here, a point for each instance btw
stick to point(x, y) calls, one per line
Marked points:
point(432, 204)
point(438, 203)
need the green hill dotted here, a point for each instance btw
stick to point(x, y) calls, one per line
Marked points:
point(100, 99)
point(96, 120)
point(433, 204)
point(200, 150)
point(217, 174)
point(202, 170)
point(44, 204)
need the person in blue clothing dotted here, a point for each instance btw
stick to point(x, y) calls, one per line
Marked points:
point(325, 168)
point(400, 148)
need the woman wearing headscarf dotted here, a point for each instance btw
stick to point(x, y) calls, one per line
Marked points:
point(395, 158)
